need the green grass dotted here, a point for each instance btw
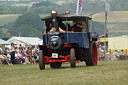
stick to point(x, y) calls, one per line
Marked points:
point(105, 73)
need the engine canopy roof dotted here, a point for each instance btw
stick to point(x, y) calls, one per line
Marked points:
point(65, 17)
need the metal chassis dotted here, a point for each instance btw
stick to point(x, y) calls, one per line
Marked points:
point(49, 59)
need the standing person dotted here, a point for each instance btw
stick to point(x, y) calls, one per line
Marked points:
point(12, 53)
point(1, 47)
point(20, 47)
point(27, 53)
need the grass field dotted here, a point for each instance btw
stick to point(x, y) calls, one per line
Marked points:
point(5, 19)
point(105, 73)
point(113, 16)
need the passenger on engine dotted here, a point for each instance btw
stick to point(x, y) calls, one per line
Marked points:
point(77, 27)
point(62, 25)
point(51, 29)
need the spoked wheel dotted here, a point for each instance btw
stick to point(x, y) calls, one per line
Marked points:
point(56, 65)
point(72, 58)
point(41, 60)
point(91, 54)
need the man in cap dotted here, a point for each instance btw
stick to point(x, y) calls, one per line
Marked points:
point(12, 53)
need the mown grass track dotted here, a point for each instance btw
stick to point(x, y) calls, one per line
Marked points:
point(105, 73)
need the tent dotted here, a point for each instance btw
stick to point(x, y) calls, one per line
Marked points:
point(25, 41)
point(120, 42)
point(3, 42)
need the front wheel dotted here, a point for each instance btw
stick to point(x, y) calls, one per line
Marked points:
point(41, 60)
point(72, 58)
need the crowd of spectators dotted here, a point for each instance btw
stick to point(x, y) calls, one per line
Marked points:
point(18, 55)
point(107, 55)
point(21, 55)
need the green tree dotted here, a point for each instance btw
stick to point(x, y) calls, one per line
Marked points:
point(2, 34)
point(28, 31)
point(44, 3)
point(32, 21)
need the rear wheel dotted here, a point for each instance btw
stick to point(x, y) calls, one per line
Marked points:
point(41, 60)
point(72, 58)
point(91, 54)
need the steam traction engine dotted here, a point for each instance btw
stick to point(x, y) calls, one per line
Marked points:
point(68, 46)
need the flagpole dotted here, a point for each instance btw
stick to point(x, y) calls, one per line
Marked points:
point(91, 9)
point(91, 17)
point(106, 15)
point(105, 31)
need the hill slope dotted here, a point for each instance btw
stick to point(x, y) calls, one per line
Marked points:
point(5, 19)
point(113, 16)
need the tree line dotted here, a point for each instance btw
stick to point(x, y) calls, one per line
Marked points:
point(30, 25)
point(45, 7)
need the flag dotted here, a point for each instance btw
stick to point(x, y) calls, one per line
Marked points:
point(107, 7)
point(79, 7)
